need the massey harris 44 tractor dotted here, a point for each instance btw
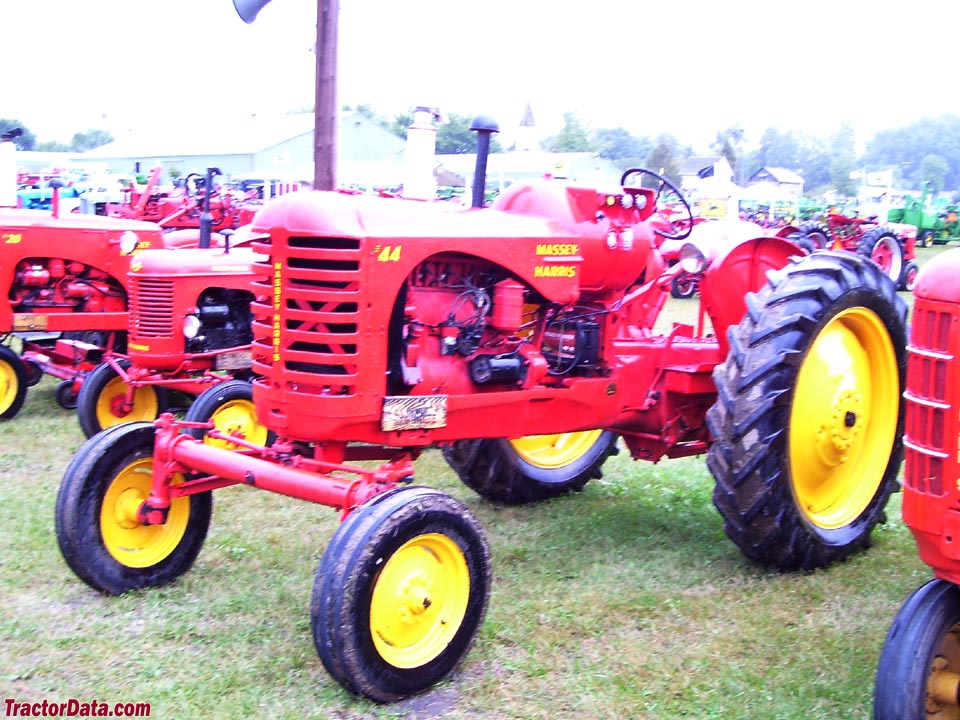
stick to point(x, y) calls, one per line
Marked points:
point(520, 339)
point(189, 330)
point(918, 676)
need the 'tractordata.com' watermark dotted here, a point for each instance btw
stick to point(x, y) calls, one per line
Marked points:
point(74, 708)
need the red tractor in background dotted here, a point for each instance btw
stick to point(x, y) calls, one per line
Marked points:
point(64, 303)
point(918, 676)
point(185, 207)
point(891, 246)
point(520, 339)
point(189, 330)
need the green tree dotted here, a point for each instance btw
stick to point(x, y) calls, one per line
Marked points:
point(933, 169)
point(842, 150)
point(454, 137)
point(89, 140)
point(573, 137)
point(26, 141)
point(621, 148)
point(665, 157)
point(52, 146)
point(729, 143)
point(778, 149)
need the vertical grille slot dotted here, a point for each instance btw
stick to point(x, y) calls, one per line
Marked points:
point(152, 307)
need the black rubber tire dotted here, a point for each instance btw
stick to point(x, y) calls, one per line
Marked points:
point(343, 595)
point(208, 403)
point(883, 238)
point(683, 286)
point(34, 372)
point(91, 392)
point(925, 630)
point(925, 239)
point(817, 234)
point(908, 278)
point(802, 242)
point(494, 470)
point(13, 383)
point(66, 396)
point(750, 457)
point(98, 463)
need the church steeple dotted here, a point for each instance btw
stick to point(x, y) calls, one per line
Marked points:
point(527, 135)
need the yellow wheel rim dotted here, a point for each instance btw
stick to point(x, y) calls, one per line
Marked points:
point(555, 451)
point(145, 404)
point(8, 385)
point(237, 418)
point(130, 543)
point(943, 680)
point(419, 600)
point(844, 418)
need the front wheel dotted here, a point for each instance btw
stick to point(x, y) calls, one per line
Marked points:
point(531, 468)
point(908, 279)
point(918, 676)
point(926, 239)
point(808, 418)
point(97, 528)
point(229, 405)
point(400, 593)
point(102, 401)
point(683, 285)
point(13, 383)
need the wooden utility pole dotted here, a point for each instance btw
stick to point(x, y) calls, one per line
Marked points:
point(325, 103)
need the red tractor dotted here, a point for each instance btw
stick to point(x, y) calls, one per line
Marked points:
point(891, 246)
point(64, 296)
point(918, 676)
point(189, 330)
point(184, 208)
point(520, 339)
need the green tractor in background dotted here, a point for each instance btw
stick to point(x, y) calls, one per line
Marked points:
point(935, 225)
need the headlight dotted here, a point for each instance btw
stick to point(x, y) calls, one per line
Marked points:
point(128, 242)
point(691, 259)
point(191, 326)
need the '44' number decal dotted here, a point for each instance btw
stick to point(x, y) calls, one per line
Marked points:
point(388, 253)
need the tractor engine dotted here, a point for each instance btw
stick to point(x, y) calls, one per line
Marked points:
point(468, 326)
point(223, 320)
point(59, 285)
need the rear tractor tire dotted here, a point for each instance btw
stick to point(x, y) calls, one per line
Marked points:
point(532, 468)
point(13, 383)
point(918, 676)
point(96, 515)
point(230, 406)
point(808, 418)
point(882, 246)
point(100, 403)
point(400, 593)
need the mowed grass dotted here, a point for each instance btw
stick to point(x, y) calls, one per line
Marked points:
point(623, 601)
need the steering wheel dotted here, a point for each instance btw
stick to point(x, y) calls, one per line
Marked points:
point(666, 199)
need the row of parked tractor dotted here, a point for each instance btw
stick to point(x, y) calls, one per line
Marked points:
point(336, 328)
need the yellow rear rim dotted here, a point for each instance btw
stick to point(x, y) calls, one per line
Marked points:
point(8, 385)
point(555, 451)
point(145, 404)
point(844, 419)
point(419, 600)
point(237, 418)
point(130, 543)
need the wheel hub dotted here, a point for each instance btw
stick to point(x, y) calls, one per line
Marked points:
point(125, 510)
point(843, 428)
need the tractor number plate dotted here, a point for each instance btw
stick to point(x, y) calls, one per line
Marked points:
point(414, 413)
point(25, 322)
point(236, 360)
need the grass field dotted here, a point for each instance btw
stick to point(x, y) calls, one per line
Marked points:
point(623, 601)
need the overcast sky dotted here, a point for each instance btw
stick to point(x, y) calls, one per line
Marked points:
point(686, 67)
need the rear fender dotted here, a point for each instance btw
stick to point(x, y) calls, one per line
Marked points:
point(741, 270)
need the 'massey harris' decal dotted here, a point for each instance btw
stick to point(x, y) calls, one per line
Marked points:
point(554, 271)
point(557, 249)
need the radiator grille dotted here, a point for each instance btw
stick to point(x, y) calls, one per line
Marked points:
point(930, 388)
point(152, 307)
